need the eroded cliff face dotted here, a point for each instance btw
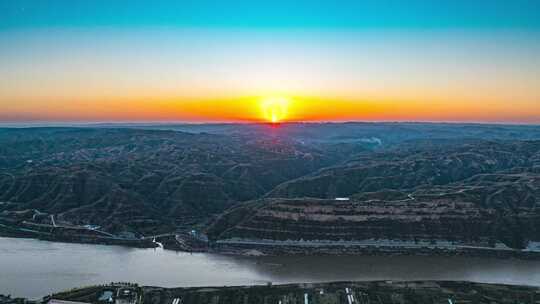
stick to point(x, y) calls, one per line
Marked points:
point(486, 210)
point(475, 193)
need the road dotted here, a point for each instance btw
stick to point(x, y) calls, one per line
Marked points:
point(158, 236)
point(363, 243)
point(410, 197)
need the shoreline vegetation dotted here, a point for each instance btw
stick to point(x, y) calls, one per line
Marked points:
point(379, 292)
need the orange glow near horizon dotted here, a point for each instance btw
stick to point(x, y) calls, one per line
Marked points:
point(181, 75)
point(270, 109)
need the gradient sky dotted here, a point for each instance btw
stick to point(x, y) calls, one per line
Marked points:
point(201, 61)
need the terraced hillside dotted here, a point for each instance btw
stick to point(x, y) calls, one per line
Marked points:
point(491, 211)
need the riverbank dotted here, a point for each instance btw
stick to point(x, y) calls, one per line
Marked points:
point(185, 242)
point(369, 247)
point(194, 241)
point(71, 235)
point(380, 292)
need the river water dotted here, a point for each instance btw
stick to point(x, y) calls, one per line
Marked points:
point(34, 268)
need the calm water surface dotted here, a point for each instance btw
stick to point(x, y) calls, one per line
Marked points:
point(35, 268)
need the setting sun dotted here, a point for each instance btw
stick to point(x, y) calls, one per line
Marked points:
point(275, 109)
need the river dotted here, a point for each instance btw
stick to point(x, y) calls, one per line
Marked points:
point(34, 268)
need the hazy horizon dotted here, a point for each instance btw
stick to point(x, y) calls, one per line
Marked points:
point(4, 124)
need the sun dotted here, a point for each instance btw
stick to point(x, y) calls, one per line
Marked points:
point(274, 109)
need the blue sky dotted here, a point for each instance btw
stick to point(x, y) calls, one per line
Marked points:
point(180, 60)
point(411, 14)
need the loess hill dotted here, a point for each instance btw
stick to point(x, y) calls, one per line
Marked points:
point(419, 183)
point(141, 181)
